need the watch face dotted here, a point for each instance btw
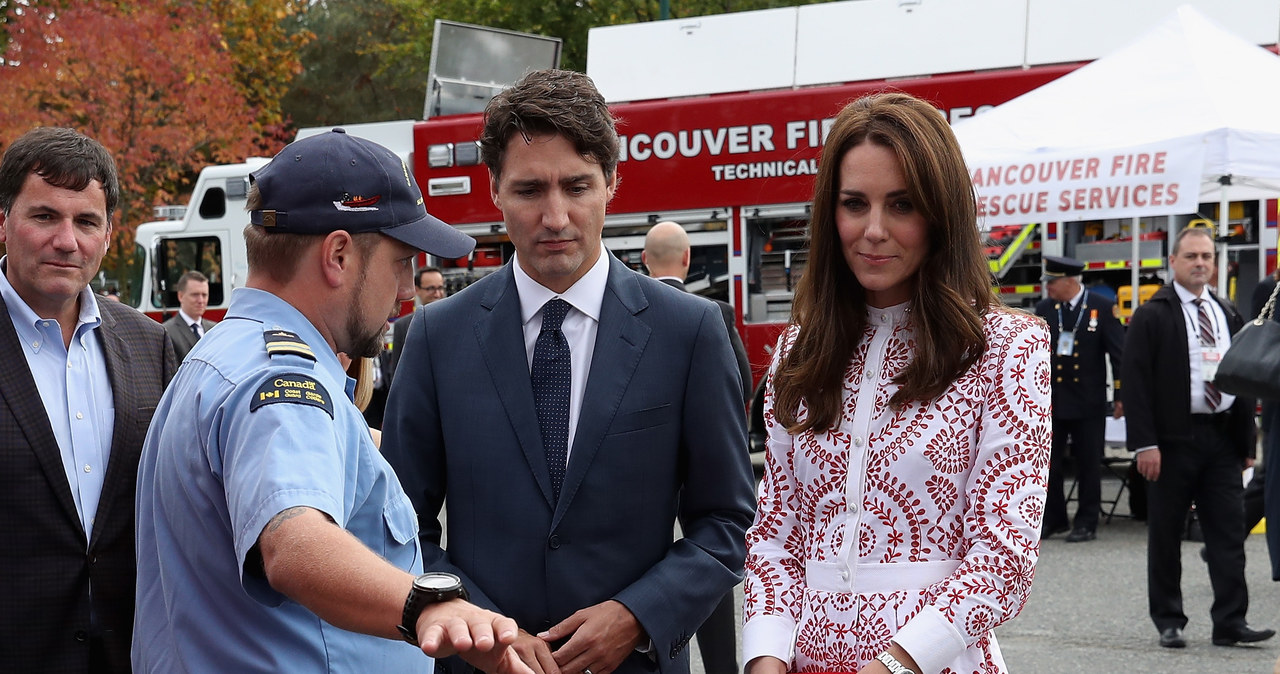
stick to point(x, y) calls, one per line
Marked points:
point(437, 582)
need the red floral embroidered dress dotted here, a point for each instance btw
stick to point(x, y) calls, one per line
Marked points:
point(920, 525)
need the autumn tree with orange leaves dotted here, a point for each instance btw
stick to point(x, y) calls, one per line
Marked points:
point(153, 81)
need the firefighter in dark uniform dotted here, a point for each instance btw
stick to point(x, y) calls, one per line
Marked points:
point(1083, 328)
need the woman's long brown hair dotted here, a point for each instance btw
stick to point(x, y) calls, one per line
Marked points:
point(953, 284)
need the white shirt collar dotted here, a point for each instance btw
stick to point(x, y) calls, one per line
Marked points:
point(585, 295)
point(26, 320)
point(187, 319)
point(1187, 296)
point(1075, 301)
point(893, 315)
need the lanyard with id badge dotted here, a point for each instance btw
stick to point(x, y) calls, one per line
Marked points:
point(1067, 338)
point(1210, 352)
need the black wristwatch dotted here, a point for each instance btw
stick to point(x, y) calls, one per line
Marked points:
point(429, 588)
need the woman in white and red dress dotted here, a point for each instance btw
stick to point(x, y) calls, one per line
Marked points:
point(908, 422)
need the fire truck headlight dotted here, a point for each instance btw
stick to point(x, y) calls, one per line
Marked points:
point(466, 154)
point(440, 156)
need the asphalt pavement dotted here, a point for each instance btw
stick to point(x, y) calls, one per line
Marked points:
point(1088, 610)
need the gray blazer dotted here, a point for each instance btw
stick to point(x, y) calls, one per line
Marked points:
point(180, 334)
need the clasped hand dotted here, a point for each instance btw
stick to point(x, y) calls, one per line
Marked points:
point(600, 637)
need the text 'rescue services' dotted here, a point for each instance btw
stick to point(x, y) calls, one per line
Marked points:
point(1154, 180)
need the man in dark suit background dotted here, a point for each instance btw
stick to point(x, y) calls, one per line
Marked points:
point(78, 385)
point(428, 283)
point(572, 409)
point(1083, 330)
point(1192, 441)
point(666, 254)
point(186, 327)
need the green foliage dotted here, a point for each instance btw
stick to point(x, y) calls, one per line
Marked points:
point(358, 67)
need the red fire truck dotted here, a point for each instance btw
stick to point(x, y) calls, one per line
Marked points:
point(735, 169)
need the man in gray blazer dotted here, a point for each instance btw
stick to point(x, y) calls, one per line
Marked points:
point(187, 326)
point(79, 382)
point(570, 409)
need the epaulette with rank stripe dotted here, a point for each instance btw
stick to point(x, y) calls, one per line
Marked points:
point(280, 342)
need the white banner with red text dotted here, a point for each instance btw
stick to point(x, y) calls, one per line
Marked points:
point(1158, 179)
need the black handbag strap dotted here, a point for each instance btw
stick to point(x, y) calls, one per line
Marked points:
point(1269, 309)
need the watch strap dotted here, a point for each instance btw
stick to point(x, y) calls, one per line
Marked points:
point(413, 605)
point(893, 665)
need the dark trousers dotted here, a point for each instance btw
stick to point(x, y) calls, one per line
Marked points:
point(1206, 472)
point(1086, 439)
point(1271, 486)
point(717, 639)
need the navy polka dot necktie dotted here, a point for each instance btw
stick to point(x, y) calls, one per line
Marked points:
point(195, 330)
point(550, 376)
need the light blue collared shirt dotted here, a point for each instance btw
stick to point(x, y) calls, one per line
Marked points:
point(226, 452)
point(76, 391)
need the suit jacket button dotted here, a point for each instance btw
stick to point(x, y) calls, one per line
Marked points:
point(554, 542)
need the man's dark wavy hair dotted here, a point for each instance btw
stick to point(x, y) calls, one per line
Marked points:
point(64, 157)
point(551, 102)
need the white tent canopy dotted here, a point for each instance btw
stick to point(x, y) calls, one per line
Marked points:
point(1147, 130)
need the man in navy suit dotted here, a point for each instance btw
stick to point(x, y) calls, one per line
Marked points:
point(573, 537)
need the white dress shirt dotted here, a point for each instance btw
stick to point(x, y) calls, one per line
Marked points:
point(579, 327)
point(191, 321)
point(1222, 338)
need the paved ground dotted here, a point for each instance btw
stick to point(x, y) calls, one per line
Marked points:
point(1088, 610)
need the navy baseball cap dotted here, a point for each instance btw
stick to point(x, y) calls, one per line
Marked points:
point(335, 181)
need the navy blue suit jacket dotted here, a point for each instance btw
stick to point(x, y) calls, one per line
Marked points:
point(1080, 380)
point(660, 435)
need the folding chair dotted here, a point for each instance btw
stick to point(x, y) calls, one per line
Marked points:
point(1118, 466)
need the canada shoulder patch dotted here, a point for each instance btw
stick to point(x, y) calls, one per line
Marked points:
point(298, 389)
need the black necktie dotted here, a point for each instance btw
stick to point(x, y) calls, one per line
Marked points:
point(550, 376)
point(1207, 338)
point(195, 330)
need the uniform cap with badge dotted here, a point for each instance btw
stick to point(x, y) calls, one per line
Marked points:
point(1056, 267)
point(335, 181)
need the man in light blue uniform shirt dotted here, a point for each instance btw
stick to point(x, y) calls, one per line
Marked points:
point(272, 536)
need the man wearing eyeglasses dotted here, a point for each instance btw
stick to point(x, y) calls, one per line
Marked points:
point(429, 286)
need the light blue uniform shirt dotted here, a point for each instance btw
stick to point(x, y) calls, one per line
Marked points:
point(223, 456)
point(75, 389)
